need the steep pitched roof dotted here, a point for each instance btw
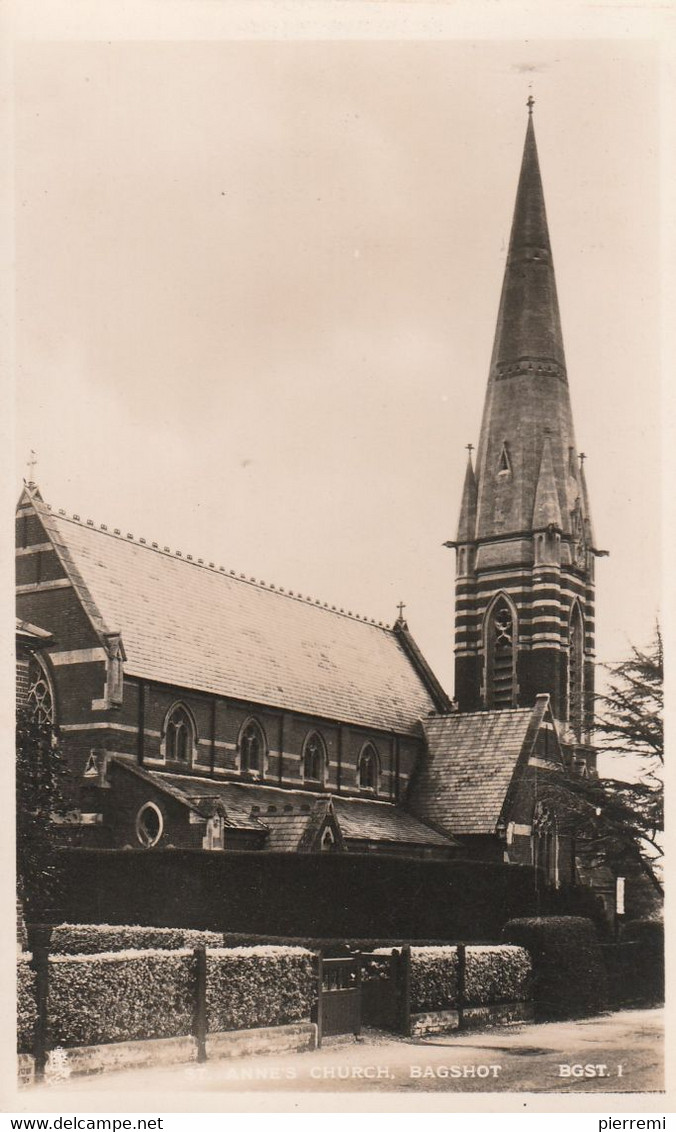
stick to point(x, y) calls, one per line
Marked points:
point(286, 831)
point(195, 626)
point(472, 757)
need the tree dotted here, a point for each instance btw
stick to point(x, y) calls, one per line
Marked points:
point(630, 722)
point(41, 779)
point(630, 726)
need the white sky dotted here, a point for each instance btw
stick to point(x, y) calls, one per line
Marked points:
point(257, 284)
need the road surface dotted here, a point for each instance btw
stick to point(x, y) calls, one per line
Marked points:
point(611, 1053)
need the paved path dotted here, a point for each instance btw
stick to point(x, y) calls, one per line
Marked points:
point(620, 1052)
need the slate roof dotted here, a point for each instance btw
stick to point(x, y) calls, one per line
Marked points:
point(286, 831)
point(196, 626)
point(250, 806)
point(470, 763)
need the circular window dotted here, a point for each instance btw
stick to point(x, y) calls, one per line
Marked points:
point(149, 825)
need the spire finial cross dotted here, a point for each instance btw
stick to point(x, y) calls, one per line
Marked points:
point(32, 464)
point(530, 104)
point(470, 448)
point(401, 607)
point(582, 457)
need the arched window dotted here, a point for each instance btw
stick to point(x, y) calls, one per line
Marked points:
point(314, 758)
point(501, 635)
point(576, 671)
point(328, 841)
point(368, 769)
point(545, 845)
point(40, 698)
point(149, 825)
point(179, 736)
point(251, 747)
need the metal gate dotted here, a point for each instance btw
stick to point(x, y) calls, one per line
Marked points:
point(339, 998)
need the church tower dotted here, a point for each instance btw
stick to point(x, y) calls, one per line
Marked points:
point(525, 546)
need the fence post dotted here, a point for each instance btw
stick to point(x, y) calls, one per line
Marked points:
point(357, 1031)
point(405, 990)
point(320, 980)
point(462, 979)
point(200, 1018)
point(38, 939)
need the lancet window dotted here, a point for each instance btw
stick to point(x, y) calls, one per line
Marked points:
point(501, 655)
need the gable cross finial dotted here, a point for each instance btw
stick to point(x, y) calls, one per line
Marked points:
point(32, 464)
point(401, 607)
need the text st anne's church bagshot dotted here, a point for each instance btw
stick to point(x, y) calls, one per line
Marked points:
point(200, 708)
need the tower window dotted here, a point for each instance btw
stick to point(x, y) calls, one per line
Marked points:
point(179, 736)
point(39, 698)
point(500, 656)
point(367, 769)
point(251, 747)
point(504, 463)
point(314, 758)
point(576, 672)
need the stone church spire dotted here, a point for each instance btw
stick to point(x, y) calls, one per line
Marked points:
point(527, 396)
point(524, 576)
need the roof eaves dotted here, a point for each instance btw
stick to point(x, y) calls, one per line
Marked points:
point(439, 696)
point(157, 781)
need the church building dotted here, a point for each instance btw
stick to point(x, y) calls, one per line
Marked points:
point(201, 708)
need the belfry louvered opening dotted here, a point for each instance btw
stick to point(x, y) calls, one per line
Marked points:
point(500, 639)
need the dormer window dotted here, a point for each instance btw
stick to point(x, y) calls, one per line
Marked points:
point(179, 736)
point(314, 758)
point(252, 748)
point(504, 463)
point(368, 769)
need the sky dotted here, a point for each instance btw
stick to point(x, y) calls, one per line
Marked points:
point(256, 289)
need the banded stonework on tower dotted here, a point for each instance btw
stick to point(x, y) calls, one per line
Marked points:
point(525, 544)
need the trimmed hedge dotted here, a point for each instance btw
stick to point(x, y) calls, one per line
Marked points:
point(330, 946)
point(303, 895)
point(434, 978)
point(248, 987)
point(635, 964)
point(137, 994)
point(497, 974)
point(120, 996)
point(493, 974)
point(90, 939)
point(25, 1003)
point(569, 978)
point(648, 932)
